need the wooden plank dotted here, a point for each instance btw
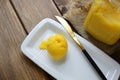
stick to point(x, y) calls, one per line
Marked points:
point(13, 64)
point(32, 12)
point(76, 11)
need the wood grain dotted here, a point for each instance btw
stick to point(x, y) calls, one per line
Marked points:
point(32, 12)
point(13, 64)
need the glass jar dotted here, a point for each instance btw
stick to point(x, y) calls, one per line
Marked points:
point(103, 21)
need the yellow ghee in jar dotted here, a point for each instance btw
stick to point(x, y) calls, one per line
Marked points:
point(103, 22)
point(56, 46)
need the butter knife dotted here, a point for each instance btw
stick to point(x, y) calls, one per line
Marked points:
point(71, 33)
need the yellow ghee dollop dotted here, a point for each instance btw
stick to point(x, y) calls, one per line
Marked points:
point(103, 22)
point(56, 46)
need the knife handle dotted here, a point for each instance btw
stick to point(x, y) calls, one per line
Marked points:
point(94, 65)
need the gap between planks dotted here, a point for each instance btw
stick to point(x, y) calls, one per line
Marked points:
point(13, 6)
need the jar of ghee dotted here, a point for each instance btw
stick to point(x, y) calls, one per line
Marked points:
point(103, 21)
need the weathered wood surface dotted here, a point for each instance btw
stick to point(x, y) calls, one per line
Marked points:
point(76, 11)
point(13, 64)
point(32, 12)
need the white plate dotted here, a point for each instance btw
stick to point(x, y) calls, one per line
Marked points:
point(75, 66)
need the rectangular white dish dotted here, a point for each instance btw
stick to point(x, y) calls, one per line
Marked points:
point(75, 66)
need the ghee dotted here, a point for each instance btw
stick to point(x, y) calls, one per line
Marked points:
point(56, 46)
point(103, 22)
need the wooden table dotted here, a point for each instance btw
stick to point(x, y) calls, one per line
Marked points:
point(17, 19)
